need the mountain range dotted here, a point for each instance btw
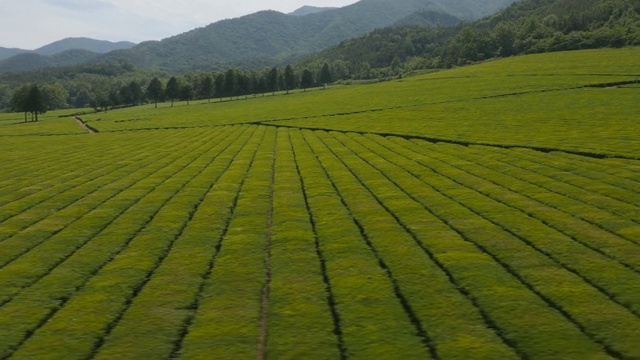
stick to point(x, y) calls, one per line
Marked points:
point(266, 38)
point(66, 52)
point(95, 46)
point(528, 26)
point(308, 10)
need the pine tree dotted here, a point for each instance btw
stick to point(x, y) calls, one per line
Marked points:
point(230, 83)
point(173, 89)
point(207, 87)
point(135, 91)
point(325, 75)
point(272, 80)
point(307, 79)
point(219, 90)
point(289, 78)
point(155, 90)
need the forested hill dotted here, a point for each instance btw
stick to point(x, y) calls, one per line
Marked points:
point(6, 53)
point(92, 45)
point(272, 38)
point(66, 52)
point(32, 61)
point(528, 26)
point(308, 10)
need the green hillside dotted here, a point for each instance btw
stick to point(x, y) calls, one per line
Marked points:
point(525, 27)
point(270, 38)
point(6, 53)
point(526, 95)
point(490, 211)
point(92, 45)
point(63, 53)
point(32, 61)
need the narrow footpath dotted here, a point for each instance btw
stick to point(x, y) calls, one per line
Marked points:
point(85, 126)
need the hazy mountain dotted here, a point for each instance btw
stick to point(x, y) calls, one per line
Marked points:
point(308, 10)
point(32, 61)
point(66, 52)
point(266, 38)
point(270, 38)
point(428, 18)
point(95, 46)
point(6, 53)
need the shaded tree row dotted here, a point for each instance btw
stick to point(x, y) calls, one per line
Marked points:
point(234, 83)
point(37, 100)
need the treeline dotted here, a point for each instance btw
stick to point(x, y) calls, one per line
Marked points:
point(34, 100)
point(78, 83)
point(103, 92)
point(234, 83)
point(528, 26)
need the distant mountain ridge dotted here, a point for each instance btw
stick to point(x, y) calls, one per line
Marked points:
point(525, 27)
point(65, 52)
point(31, 61)
point(270, 38)
point(82, 43)
point(6, 53)
point(308, 10)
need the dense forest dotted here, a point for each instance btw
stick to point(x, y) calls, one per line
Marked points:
point(265, 38)
point(528, 26)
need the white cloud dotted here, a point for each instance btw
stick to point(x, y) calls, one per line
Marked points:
point(32, 23)
point(80, 5)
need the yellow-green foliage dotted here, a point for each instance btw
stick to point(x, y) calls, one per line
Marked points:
point(535, 101)
point(242, 229)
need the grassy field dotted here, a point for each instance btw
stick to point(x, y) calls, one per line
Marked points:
point(483, 212)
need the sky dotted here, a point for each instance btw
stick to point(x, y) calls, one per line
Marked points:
point(30, 24)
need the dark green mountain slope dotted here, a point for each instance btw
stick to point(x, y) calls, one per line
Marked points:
point(428, 18)
point(308, 10)
point(66, 52)
point(528, 26)
point(6, 53)
point(32, 61)
point(96, 46)
point(272, 38)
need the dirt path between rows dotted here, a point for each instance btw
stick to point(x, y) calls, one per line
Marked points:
point(85, 126)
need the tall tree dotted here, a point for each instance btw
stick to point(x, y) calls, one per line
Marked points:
point(255, 83)
point(35, 102)
point(126, 97)
point(289, 78)
point(206, 87)
point(262, 85)
point(186, 92)
point(114, 97)
point(54, 96)
point(173, 89)
point(135, 90)
point(101, 99)
point(325, 75)
point(19, 101)
point(154, 90)
point(244, 84)
point(272, 80)
point(307, 79)
point(230, 83)
point(219, 90)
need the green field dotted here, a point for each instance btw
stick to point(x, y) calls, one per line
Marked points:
point(490, 211)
